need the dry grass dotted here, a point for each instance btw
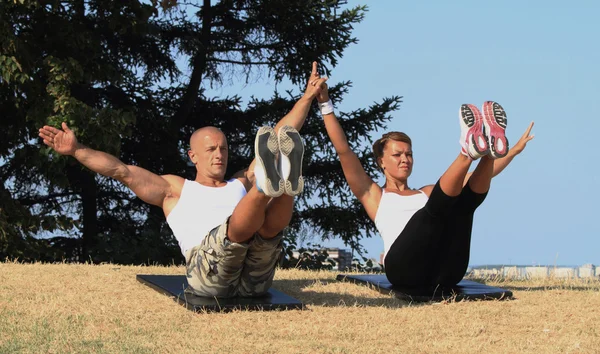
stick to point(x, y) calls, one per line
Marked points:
point(84, 308)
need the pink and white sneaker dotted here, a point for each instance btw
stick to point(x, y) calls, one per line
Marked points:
point(494, 122)
point(473, 141)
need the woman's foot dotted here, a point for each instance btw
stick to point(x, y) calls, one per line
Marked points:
point(473, 141)
point(494, 123)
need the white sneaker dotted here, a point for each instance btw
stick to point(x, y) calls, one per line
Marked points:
point(292, 151)
point(473, 141)
point(266, 148)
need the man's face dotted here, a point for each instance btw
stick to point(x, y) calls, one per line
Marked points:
point(208, 151)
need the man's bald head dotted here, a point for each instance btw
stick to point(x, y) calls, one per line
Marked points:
point(202, 133)
point(209, 152)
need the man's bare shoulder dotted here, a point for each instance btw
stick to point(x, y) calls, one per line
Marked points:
point(246, 176)
point(175, 184)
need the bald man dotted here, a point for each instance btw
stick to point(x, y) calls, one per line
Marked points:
point(229, 231)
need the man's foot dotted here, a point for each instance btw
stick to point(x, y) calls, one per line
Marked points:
point(266, 149)
point(292, 150)
point(472, 138)
point(494, 121)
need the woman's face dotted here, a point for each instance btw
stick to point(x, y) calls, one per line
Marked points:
point(397, 159)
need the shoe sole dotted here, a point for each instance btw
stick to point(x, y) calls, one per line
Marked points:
point(477, 142)
point(292, 148)
point(495, 126)
point(266, 148)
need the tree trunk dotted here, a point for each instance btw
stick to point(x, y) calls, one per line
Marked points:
point(85, 183)
point(198, 68)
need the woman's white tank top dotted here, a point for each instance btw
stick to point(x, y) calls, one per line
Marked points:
point(393, 214)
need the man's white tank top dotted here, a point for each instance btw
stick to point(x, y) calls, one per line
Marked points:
point(201, 209)
point(393, 214)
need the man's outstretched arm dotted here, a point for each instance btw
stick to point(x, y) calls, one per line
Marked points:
point(149, 187)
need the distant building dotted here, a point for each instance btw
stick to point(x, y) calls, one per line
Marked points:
point(513, 272)
point(526, 272)
point(587, 271)
point(342, 257)
point(536, 272)
point(564, 272)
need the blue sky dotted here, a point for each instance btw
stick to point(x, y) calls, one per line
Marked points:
point(539, 59)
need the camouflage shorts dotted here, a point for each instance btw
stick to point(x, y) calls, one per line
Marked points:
point(221, 268)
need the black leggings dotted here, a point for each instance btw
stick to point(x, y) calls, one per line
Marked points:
point(434, 246)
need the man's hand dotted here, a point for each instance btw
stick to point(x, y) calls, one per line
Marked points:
point(315, 84)
point(520, 145)
point(62, 141)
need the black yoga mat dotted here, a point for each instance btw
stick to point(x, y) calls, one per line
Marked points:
point(465, 290)
point(174, 285)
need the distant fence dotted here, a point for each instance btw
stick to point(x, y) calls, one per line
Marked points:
point(527, 272)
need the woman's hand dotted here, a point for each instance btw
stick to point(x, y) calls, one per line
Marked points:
point(522, 143)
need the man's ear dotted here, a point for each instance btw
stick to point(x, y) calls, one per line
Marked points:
point(192, 156)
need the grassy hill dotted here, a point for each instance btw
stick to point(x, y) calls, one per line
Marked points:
point(65, 308)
